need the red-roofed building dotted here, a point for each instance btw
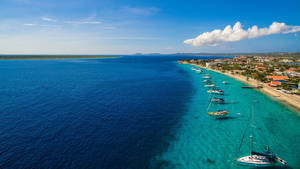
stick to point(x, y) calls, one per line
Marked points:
point(260, 67)
point(274, 84)
point(278, 78)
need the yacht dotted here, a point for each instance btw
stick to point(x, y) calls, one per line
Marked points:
point(219, 113)
point(218, 92)
point(258, 159)
point(217, 100)
point(210, 85)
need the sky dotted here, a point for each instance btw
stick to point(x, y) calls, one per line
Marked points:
point(148, 26)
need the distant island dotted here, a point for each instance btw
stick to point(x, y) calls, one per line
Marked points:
point(22, 57)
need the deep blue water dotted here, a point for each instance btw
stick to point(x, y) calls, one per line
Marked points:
point(89, 113)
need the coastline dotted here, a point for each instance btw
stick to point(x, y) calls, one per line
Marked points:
point(41, 57)
point(286, 99)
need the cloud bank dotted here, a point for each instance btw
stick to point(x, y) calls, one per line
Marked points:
point(237, 33)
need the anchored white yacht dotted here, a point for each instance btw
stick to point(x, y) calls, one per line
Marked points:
point(256, 159)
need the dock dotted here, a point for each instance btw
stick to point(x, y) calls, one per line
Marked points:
point(252, 87)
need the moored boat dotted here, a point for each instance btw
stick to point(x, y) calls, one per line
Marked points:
point(257, 159)
point(210, 85)
point(219, 113)
point(207, 81)
point(196, 70)
point(217, 100)
point(218, 92)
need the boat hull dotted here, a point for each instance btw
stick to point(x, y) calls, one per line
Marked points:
point(254, 161)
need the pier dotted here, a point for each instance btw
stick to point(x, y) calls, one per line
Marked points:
point(252, 87)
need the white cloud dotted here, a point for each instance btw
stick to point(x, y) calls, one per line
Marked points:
point(146, 11)
point(237, 33)
point(83, 22)
point(48, 19)
point(30, 24)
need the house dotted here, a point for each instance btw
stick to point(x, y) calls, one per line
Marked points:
point(260, 67)
point(279, 73)
point(274, 83)
point(278, 78)
point(290, 73)
point(286, 61)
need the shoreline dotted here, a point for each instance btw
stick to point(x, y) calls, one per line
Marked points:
point(53, 57)
point(292, 101)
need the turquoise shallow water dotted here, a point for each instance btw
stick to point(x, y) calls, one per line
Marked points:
point(203, 142)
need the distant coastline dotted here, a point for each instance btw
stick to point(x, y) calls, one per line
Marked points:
point(38, 57)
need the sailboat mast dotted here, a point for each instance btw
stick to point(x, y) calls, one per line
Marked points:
point(209, 105)
point(251, 134)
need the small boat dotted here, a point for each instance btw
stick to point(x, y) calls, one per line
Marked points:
point(257, 159)
point(210, 85)
point(197, 70)
point(206, 77)
point(218, 113)
point(207, 81)
point(225, 82)
point(217, 100)
point(219, 92)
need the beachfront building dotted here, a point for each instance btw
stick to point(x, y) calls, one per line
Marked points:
point(274, 84)
point(278, 78)
point(210, 64)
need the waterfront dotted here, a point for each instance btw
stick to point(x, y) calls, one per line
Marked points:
point(129, 112)
point(203, 142)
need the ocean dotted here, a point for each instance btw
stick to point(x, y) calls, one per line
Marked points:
point(131, 112)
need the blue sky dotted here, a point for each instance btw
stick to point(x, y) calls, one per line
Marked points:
point(131, 26)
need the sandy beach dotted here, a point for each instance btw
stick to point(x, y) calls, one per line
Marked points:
point(278, 95)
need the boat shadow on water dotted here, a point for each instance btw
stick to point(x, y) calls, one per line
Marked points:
point(231, 102)
point(273, 167)
point(225, 118)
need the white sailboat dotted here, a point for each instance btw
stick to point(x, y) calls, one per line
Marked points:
point(257, 159)
point(210, 85)
point(217, 92)
point(219, 113)
point(196, 70)
point(206, 76)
